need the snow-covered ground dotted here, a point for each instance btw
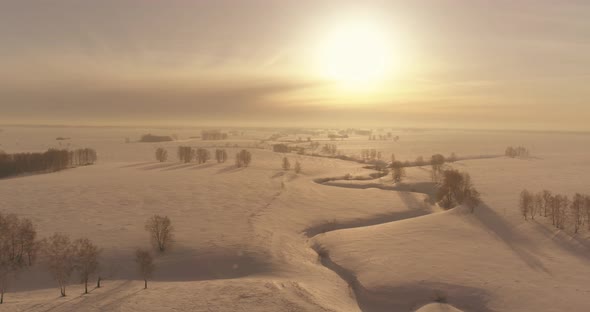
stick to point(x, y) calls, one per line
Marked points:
point(261, 239)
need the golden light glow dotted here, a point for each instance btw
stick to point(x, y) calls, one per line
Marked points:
point(357, 54)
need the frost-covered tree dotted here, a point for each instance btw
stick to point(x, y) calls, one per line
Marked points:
point(220, 155)
point(243, 158)
point(577, 211)
point(185, 154)
point(18, 247)
point(86, 260)
point(526, 203)
point(59, 253)
point(547, 198)
point(202, 155)
point(161, 154)
point(456, 188)
point(145, 265)
point(161, 232)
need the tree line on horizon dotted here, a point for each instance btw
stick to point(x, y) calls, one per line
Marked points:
point(50, 160)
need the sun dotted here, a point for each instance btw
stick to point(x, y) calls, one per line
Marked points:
point(355, 54)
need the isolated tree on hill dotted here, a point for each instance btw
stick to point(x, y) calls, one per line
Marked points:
point(161, 232)
point(18, 248)
point(398, 171)
point(437, 162)
point(145, 265)
point(526, 202)
point(86, 260)
point(297, 167)
point(60, 252)
point(161, 154)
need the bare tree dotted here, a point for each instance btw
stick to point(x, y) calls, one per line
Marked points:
point(220, 155)
point(243, 158)
point(469, 195)
point(202, 155)
point(537, 205)
point(563, 212)
point(86, 260)
point(555, 209)
point(161, 154)
point(59, 252)
point(472, 199)
point(526, 202)
point(161, 232)
point(185, 154)
point(398, 171)
point(17, 248)
point(577, 211)
point(450, 191)
point(547, 198)
point(286, 164)
point(437, 162)
point(297, 167)
point(145, 265)
point(587, 209)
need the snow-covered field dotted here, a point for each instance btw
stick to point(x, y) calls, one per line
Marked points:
point(261, 239)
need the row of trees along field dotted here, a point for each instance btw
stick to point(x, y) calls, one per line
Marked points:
point(518, 151)
point(63, 257)
point(51, 160)
point(562, 210)
point(187, 154)
point(213, 135)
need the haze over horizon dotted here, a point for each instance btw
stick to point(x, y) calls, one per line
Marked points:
point(481, 64)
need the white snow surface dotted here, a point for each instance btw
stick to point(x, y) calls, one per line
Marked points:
point(261, 239)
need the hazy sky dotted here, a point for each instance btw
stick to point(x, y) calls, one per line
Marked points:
point(483, 64)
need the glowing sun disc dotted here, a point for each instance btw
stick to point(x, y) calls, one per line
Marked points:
point(355, 53)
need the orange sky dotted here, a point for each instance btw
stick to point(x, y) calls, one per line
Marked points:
point(474, 64)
